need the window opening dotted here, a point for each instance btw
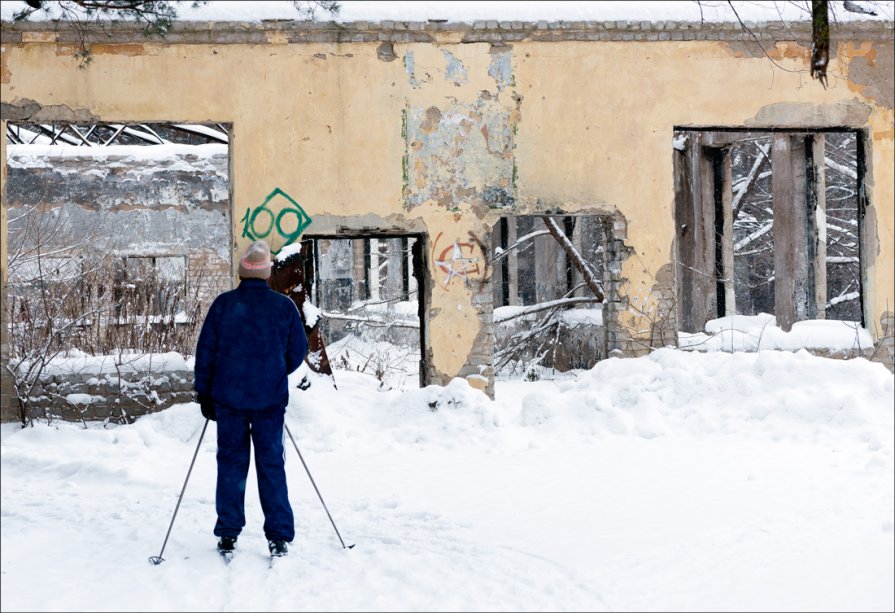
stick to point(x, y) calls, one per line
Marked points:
point(140, 216)
point(548, 275)
point(768, 222)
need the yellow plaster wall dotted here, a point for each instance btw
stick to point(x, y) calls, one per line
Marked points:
point(880, 289)
point(597, 124)
point(323, 122)
point(9, 407)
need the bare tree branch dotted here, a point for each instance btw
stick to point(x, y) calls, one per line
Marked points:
point(157, 15)
point(820, 39)
point(760, 162)
point(543, 306)
point(518, 244)
point(575, 258)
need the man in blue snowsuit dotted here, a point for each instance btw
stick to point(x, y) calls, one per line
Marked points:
point(251, 340)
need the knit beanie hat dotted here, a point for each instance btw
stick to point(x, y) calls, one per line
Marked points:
point(255, 261)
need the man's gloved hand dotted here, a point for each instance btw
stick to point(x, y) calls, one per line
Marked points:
point(207, 406)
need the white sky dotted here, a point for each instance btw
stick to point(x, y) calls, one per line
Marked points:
point(520, 10)
point(676, 481)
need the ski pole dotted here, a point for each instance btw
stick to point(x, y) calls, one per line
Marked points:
point(294, 444)
point(159, 559)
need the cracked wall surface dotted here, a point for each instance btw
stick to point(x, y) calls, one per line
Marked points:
point(443, 128)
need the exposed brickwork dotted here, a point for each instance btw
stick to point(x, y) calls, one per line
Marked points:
point(211, 272)
point(479, 363)
point(490, 31)
point(617, 338)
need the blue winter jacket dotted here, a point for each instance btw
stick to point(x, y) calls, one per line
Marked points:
point(252, 339)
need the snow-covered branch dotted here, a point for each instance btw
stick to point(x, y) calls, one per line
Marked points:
point(754, 174)
point(372, 321)
point(755, 235)
point(502, 253)
point(845, 170)
point(543, 306)
point(587, 273)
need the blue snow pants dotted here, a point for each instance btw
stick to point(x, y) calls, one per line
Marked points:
point(238, 431)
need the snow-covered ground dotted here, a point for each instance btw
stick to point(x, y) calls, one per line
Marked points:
point(676, 481)
point(755, 332)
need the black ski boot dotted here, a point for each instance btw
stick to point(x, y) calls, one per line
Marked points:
point(226, 546)
point(278, 549)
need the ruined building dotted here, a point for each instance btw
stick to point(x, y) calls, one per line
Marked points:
point(641, 137)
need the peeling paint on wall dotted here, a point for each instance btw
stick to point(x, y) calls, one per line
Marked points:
point(25, 109)
point(460, 154)
point(410, 68)
point(871, 71)
point(501, 67)
point(455, 71)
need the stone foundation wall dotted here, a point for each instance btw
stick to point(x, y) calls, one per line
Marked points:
point(100, 397)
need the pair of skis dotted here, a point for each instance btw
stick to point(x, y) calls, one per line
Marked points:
point(227, 557)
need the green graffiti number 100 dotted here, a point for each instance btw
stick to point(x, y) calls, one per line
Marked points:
point(260, 222)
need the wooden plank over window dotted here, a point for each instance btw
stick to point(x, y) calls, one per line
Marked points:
point(728, 271)
point(695, 215)
point(790, 229)
point(820, 226)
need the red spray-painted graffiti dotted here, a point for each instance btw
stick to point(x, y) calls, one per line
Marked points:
point(456, 261)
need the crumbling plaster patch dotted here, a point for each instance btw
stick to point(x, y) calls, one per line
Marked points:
point(459, 125)
point(454, 71)
point(25, 109)
point(459, 142)
point(385, 52)
point(871, 70)
point(459, 154)
point(5, 74)
point(879, 218)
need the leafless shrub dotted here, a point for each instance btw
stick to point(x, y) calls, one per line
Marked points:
point(98, 304)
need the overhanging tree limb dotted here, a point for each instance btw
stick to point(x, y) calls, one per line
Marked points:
point(158, 15)
point(587, 274)
point(820, 40)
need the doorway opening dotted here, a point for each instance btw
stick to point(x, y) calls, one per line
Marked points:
point(370, 292)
